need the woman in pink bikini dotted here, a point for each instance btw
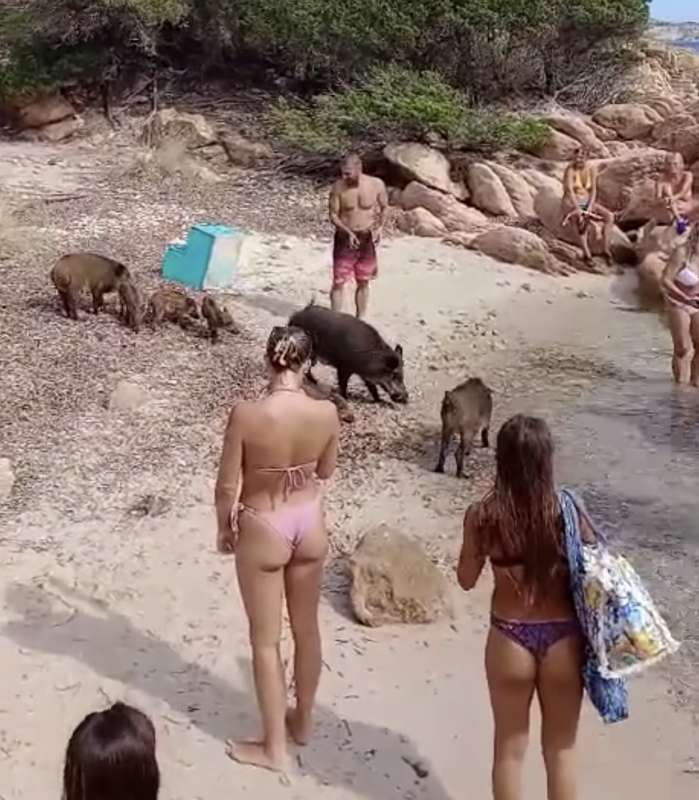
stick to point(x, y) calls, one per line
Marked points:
point(535, 644)
point(269, 510)
point(680, 283)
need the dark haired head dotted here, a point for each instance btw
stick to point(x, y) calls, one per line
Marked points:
point(288, 348)
point(520, 517)
point(111, 756)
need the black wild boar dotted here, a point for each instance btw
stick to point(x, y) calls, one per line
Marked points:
point(77, 271)
point(466, 410)
point(130, 310)
point(354, 348)
point(217, 318)
point(173, 305)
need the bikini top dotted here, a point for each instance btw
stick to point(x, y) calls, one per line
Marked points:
point(687, 276)
point(293, 478)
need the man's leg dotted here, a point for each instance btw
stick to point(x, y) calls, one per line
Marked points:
point(337, 296)
point(361, 298)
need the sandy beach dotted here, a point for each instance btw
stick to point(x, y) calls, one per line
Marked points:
point(101, 604)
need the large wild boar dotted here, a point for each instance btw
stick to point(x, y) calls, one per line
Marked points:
point(77, 271)
point(354, 348)
point(466, 410)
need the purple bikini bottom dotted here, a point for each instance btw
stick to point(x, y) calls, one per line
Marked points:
point(536, 637)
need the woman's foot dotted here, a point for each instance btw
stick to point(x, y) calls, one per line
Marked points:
point(256, 754)
point(299, 726)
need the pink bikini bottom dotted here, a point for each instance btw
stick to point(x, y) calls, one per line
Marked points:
point(290, 521)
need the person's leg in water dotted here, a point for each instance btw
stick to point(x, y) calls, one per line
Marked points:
point(361, 298)
point(680, 323)
point(694, 336)
point(511, 672)
point(260, 558)
point(560, 691)
point(302, 578)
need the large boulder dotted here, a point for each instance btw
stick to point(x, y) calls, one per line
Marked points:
point(393, 581)
point(629, 120)
point(558, 147)
point(682, 140)
point(420, 222)
point(547, 205)
point(671, 124)
point(169, 123)
point(575, 126)
point(60, 131)
point(455, 215)
point(40, 111)
point(243, 152)
point(539, 180)
point(515, 246)
point(618, 176)
point(603, 134)
point(520, 192)
point(418, 162)
point(488, 192)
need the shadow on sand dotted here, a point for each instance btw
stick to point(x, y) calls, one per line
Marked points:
point(105, 640)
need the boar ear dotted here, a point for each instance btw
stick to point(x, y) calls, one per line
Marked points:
point(399, 350)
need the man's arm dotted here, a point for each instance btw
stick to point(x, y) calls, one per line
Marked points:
point(382, 206)
point(674, 265)
point(568, 193)
point(685, 190)
point(593, 189)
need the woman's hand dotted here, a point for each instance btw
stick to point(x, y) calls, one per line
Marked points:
point(226, 540)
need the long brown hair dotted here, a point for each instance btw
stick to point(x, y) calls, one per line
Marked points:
point(520, 518)
point(111, 756)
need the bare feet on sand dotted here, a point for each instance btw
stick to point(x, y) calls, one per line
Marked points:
point(299, 726)
point(255, 754)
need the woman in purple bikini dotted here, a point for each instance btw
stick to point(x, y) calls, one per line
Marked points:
point(534, 645)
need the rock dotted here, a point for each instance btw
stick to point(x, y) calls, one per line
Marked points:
point(420, 222)
point(150, 505)
point(515, 246)
point(7, 478)
point(540, 180)
point(393, 581)
point(682, 140)
point(558, 147)
point(128, 396)
point(641, 204)
point(191, 129)
point(576, 127)
point(618, 176)
point(694, 169)
point(520, 192)
point(603, 134)
point(671, 124)
point(244, 153)
point(461, 239)
point(418, 162)
point(488, 192)
point(40, 111)
point(59, 131)
point(455, 215)
point(661, 240)
point(547, 205)
point(629, 120)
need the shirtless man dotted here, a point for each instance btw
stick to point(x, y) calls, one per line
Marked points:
point(580, 204)
point(358, 206)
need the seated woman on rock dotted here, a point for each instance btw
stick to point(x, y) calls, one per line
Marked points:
point(580, 204)
point(270, 514)
point(673, 191)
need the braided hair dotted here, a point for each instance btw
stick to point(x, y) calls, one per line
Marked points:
point(288, 348)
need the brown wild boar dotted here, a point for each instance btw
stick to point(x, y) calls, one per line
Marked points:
point(466, 410)
point(130, 310)
point(321, 391)
point(77, 271)
point(172, 305)
point(216, 318)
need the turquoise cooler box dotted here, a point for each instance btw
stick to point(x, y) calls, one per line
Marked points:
point(209, 259)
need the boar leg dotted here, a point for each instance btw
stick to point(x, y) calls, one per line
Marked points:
point(464, 448)
point(72, 304)
point(373, 391)
point(97, 300)
point(485, 437)
point(66, 302)
point(343, 377)
point(443, 450)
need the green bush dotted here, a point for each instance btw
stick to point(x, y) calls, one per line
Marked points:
point(398, 103)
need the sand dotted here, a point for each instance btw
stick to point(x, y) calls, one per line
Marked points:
point(145, 611)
